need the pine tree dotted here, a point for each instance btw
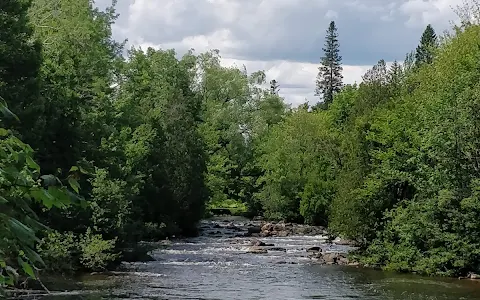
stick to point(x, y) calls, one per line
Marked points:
point(394, 78)
point(274, 87)
point(428, 43)
point(329, 78)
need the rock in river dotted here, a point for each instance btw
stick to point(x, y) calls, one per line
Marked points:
point(254, 229)
point(259, 243)
point(257, 250)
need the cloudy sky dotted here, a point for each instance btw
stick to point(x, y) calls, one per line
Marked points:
point(284, 37)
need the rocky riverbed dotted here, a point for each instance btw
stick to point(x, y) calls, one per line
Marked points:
point(239, 259)
point(252, 234)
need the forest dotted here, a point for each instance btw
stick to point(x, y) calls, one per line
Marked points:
point(102, 147)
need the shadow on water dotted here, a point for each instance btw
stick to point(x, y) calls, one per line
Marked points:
point(218, 267)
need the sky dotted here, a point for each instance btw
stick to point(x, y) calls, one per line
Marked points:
point(284, 37)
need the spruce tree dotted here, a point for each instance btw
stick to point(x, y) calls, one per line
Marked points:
point(329, 78)
point(394, 78)
point(274, 87)
point(428, 43)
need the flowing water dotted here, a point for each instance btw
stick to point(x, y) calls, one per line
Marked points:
point(215, 266)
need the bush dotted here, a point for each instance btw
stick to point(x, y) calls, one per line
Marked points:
point(65, 252)
point(58, 251)
point(96, 253)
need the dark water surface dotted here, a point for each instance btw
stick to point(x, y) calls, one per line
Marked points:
point(217, 267)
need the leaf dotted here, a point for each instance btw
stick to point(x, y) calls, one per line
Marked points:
point(4, 132)
point(49, 179)
point(5, 111)
point(74, 184)
point(74, 169)
point(3, 200)
point(22, 232)
point(60, 195)
point(43, 197)
point(27, 268)
point(32, 164)
point(33, 256)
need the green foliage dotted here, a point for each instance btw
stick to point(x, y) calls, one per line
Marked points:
point(96, 253)
point(298, 158)
point(22, 187)
point(154, 139)
point(66, 252)
point(58, 251)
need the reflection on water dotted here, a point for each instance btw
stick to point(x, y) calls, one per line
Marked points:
point(218, 268)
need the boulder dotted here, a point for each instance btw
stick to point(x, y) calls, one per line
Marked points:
point(335, 259)
point(257, 250)
point(314, 249)
point(259, 243)
point(473, 276)
point(279, 249)
point(136, 255)
point(283, 233)
point(279, 227)
point(254, 229)
point(265, 233)
point(343, 242)
point(267, 227)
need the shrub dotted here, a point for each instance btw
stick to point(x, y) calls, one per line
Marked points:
point(96, 253)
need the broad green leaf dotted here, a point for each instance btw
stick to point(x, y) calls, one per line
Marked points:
point(43, 197)
point(74, 184)
point(49, 180)
point(60, 195)
point(33, 256)
point(32, 164)
point(5, 111)
point(4, 132)
point(73, 169)
point(22, 232)
point(27, 268)
point(3, 200)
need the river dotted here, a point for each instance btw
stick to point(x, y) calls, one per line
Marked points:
point(215, 266)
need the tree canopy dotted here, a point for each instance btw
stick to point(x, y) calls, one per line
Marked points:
point(102, 147)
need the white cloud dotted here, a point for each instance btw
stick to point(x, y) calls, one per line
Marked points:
point(331, 15)
point(296, 79)
point(421, 12)
point(283, 37)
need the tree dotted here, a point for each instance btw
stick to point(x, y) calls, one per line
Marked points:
point(274, 87)
point(329, 78)
point(428, 43)
point(20, 60)
point(394, 78)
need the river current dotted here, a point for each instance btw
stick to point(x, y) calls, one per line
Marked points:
point(216, 266)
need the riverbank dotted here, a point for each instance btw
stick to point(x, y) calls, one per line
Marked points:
point(218, 264)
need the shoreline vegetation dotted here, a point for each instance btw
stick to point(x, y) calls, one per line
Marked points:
point(101, 150)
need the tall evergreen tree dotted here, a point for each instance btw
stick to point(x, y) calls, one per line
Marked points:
point(274, 87)
point(394, 78)
point(329, 78)
point(428, 43)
